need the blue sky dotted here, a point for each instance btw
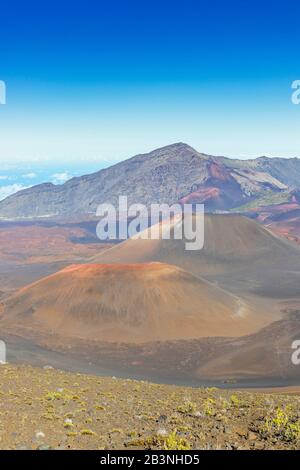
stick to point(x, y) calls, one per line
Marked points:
point(91, 83)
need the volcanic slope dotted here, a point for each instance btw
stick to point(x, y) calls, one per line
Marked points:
point(238, 253)
point(127, 303)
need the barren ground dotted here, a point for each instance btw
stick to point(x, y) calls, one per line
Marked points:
point(50, 409)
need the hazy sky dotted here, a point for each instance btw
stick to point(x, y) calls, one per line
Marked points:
point(108, 79)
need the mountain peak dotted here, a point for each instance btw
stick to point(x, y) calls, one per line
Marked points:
point(178, 149)
point(177, 146)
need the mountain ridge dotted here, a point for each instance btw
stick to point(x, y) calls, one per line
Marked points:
point(170, 174)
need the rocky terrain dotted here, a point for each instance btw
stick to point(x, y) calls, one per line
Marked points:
point(151, 309)
point(50, 409)
point(167, 175)
point(34, 249)
point(281, 216)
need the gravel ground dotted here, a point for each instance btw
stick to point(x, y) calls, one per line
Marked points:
point(51, 409)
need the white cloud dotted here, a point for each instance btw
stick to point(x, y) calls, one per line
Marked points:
point(6, 191)
point(4, 177)
point(59, 178)
point(30, 175)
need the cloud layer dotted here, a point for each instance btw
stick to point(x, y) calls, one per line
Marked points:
point(6, 191)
